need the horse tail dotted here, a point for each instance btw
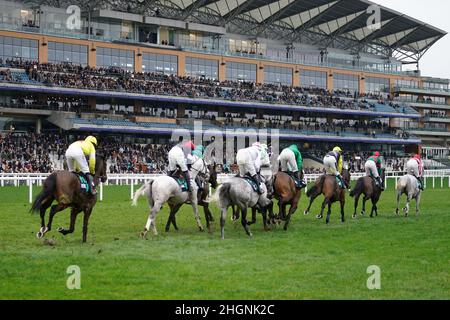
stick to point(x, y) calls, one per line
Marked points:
point(145, 189)
point(401, 184)
point(316, 187)
point(358, 188)
point(49, 188)
point(222, 191)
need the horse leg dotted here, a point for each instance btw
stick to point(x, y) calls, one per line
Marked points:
point(195, 208)
point(311, 200)
point(398, 203)
point(53, 210)
point(264, 217)
point(223, 216)
point(373, 208)
point(87, 215)
point(208, 216)
point(418, 204)
point(235, 215)
point(343, 209)
point(244, 220)
point(173, 211)
point(73, 217)
point(363, 211)
point(253, 217)
point(151, 220)
point(324, 203)
point(406, 208)
point(288, 217)
point(280, 208)
point(43, 230)
point(327, 220)
point(356, 205)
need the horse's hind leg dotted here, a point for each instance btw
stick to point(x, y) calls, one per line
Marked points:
point(311, 200)
point(324, 203)
point(398, 203)
point(356, 205)
point(244, 220)
point(208, 216)
point(327, 220)
point(223, 216)
point(343, 210)
point(363, 211)
point(253, 217)
point(53, 210)
point(172, 219)
point(44, 229)
point(151, 220)
point(418, 204)
point(73, 217)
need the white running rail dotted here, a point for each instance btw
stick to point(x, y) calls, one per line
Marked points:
point(36, 179)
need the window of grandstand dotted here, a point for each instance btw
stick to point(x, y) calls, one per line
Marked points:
point(313, 79)
point(237, 71)
point(66, 52)
point(196, 67)
point(278, 75)
point(406, 83)
point(376, 85)
point(107, 57)
point(345, 82)
point(15, 48)
point(162, 63)
point(435, 85)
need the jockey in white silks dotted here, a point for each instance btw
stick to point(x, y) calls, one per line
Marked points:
point(181, 156)
point(76, 159)
point(250, 160)
point(414, 166)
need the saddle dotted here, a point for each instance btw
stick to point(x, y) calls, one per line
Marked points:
point(339, 181)
point(84, 182)
point(180, 180)
point(250, 181)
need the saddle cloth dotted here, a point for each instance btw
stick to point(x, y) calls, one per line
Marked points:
point(296, 181)
point(84, 182)
point(250, 181)
point(180, 180)
point(339, 181)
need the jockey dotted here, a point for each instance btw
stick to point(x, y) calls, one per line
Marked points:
point(291, 161)
point(76, 158)
point(414, 166)
point(180, 156)
point(198, 152)
point(373, 168)
point(249, 162)
point(333, 162)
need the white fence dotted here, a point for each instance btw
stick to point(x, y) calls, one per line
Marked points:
point(36, 179)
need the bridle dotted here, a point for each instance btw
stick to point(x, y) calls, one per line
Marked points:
point(204, 171)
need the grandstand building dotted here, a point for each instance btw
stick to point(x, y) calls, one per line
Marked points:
point(317, 71)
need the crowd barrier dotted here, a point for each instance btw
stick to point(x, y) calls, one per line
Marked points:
point(36, 179)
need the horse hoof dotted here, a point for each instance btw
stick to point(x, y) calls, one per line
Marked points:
point(354, 216)
point(39, 235)
point(319, 216)
point(305, 213)
point(60, 229)
point(201, 229)
point(143, 234)
point(363, 213)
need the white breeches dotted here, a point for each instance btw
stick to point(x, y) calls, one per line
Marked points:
point(246, 164)
point(412, 167)
point(371, 169)
point(288, 161)
point(76, 159)
point(329, 162)
point(176, 157)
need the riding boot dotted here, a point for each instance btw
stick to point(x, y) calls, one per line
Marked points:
point(421, 183)
point(91, 183)
point(258, 183)
point(301, 183)
point(188, 179)
point(380, 183)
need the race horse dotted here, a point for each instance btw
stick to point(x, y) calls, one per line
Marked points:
point(202, 195)
point(329, 187)
point(287, 193)
point(164, 189)
point(408, 185)
point(65, 188)
point(366, 186)
point(238, 192)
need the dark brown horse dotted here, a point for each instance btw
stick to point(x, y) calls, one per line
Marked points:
point(329, 187)
point(366, 185)
point(65, 188)
point(287, 194)
point(202, 195)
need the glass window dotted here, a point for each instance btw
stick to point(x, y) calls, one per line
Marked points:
point(107, 57)
point(161, 63)
point(376, 85)
point(278, 75)
point(206, 68)
point(345, 82)
point(313, 79)
point(17, 48)
point(237, 71)
point(66, 52)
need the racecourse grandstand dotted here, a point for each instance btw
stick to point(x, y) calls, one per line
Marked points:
point(316, 73)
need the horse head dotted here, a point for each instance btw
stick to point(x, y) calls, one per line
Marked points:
point(212, 175)
point(100, 167)
point(346, 173)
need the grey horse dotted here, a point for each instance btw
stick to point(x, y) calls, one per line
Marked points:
point(408, 185)
point(237, 191)
point(164, 189)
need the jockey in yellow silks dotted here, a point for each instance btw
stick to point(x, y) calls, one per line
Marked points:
point(76, 158)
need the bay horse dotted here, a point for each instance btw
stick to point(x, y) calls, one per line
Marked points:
point(202, 195)
point(367, 186)
point(65, 188)
point(328, 186)
point(287, 194)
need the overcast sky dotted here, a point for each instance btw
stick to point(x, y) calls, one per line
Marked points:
point(436, 62)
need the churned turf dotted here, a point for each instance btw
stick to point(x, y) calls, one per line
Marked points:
point(309, 261)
